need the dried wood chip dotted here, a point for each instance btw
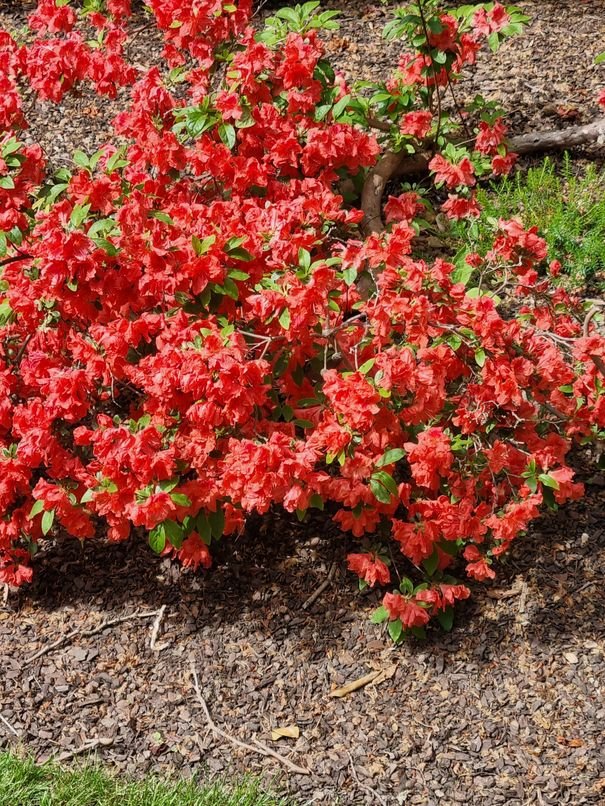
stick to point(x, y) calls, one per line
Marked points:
point(290, 732)
point(372, 677)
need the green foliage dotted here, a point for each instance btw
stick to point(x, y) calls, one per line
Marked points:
point(569, 211)
point(24, 783)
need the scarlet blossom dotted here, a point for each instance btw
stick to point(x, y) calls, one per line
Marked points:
point(490, 137)
point(601, 98)
point(478, 567)
point(417, 540)
point(503, 165)
point(404, 207)
point(458, 207)
point(153, 510)
point(430, 458)
point(407, 610)
point(453, 175)
point(370, 568)
point(194, 552)
point(416, 124)
point(14, 568)
point(444, 40)
point(492, 21)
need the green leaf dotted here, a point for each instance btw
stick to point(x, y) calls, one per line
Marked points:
point(180, 499)
point(285, 318)
point(379, 492)
point(340, 106)
point(7, 183)
point(81, 159)
point(236, 274)
point(157, 539)
point(200, 247)
point(446, 618)
point(239, 253)
point(227, 134)
point(367, 366)
point(304, 258)
point(406, 586)
point(217, 523)
point(116, 160)
point(162, 216)
point(600, 58)
point(174, 533)
point(36, 509)
point(78, 215)
point(480, 356)
point(47, 521)
point(390, 457)
point(431, 563)
point(548, 481)
point(203, 528)
point(87, 496)
point(387, 481)
point(350, 275)
point(316, 501)
point(379, 615)
point(395, 630)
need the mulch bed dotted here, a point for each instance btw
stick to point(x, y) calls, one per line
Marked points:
point(509, 708)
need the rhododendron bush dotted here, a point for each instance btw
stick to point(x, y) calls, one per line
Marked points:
point(195, 325)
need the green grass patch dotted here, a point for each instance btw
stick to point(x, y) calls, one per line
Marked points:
point(568, 210)
point(25, 783)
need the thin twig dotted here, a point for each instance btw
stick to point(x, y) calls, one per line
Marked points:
point(257, 747)
point(318, 591)
point(156, 629)
point(365, 787)
point(64, 639)
point(14, 259)
point(91, 744)
point(9, 726)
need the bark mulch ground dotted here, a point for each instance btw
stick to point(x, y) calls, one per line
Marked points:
point(507, 709)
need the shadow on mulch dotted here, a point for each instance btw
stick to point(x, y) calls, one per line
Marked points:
point(280, 561)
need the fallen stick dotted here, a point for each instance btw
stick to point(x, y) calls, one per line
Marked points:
point(92, 744)
point(393, 164)
point(355, 684)
point(319, 590)
point(257, 747)
point(156, 629)
point(367, 788)
point(87, 633)
point(9, 726)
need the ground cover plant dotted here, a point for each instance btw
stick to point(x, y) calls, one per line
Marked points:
point(216, 313)
point(24, 783)
point(568, 209)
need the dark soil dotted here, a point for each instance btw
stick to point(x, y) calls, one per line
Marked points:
point(507, 709)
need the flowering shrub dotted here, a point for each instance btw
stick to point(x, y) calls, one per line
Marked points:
point(184, 334)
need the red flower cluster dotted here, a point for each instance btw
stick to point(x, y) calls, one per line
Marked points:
point(182, 341)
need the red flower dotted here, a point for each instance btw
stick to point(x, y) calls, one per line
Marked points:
point(370, 568)
point(416, 124)
point(430, 458)
point(194, 552)
point(408, 611)
point(490, 137)
point(404, 207)
point(457, 207)
point(478, 567)
point(453, 175)
point(502, 165)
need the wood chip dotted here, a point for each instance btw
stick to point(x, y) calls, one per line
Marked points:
point(355, 684)
point(290, 732)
